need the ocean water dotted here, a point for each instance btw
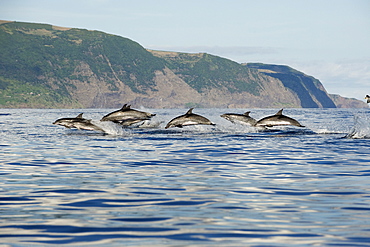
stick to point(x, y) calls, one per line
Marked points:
point(223, 185)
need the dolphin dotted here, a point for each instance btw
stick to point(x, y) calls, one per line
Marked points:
point(367, 97)
point(277, 120)
point(129, 122)
point(239, 118)
point(189, 118)
point(78, 123)
point(127, 116)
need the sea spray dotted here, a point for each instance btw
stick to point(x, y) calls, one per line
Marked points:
point(361, 128)
point(110, 128)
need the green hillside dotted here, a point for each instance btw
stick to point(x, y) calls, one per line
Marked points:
point(203, 71)
point(38, 61)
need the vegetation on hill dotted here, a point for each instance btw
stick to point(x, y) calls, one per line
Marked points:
point(38, 59)
point(204, 71)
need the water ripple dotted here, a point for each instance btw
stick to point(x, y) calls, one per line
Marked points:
point(224, 186)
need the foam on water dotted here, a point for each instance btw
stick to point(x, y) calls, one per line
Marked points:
point(325, 131)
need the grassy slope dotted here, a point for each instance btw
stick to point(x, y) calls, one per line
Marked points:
point(203, 71)
point(37, 63)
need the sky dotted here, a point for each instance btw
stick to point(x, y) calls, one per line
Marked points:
point(326, 39)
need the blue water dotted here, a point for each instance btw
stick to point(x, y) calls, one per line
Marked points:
point(223, 185)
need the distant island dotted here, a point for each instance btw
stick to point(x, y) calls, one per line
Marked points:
point(44, 66)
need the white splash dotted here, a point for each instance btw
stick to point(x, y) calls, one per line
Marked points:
point(110, 128)
point(361, 128)
point(150, 124)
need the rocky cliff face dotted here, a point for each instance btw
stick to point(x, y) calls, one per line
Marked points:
point(310, 91)
point(342, 102)
point(44, 66)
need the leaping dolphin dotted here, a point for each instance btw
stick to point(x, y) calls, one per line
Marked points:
point(189, 118)
point(277, 120)
point(239, 118)
point(127, 116)
point(78, 123)
point(367, 97)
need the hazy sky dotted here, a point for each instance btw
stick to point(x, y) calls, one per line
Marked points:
point(327, 39)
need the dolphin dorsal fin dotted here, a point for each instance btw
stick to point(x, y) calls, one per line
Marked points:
point(190, 111)
point(246, 113)
point(125, 107)
point(79, 115)
point(280, 112)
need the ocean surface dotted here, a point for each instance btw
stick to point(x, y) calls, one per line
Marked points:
point(223, 185)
